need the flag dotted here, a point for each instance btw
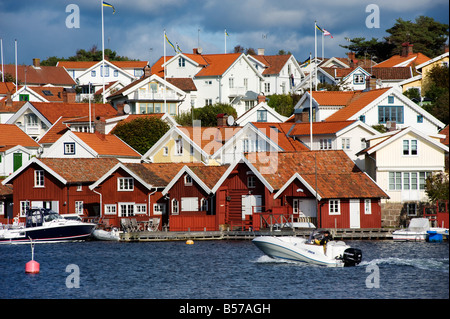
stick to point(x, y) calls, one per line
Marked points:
point(178, 48)
point(307, 62)
point(171, 44)
point(325, 33)
point(226, 33)
point(106, 4)
point(318, 28)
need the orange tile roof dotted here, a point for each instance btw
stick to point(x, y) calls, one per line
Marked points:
point(77, 170)
point(327, 127)
point(55, 131)
point(6, 87)
point(332, 168)
point(333, 97)
point(107, 145)
point(418, 58)
point(212, 64)
point(209, 139)
point(53, 111)
point(359, 101)
point(11, 135)
point(274, 63)
point(280, 132)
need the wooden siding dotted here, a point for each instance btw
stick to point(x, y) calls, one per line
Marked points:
point(196, 221)
point(342, 220)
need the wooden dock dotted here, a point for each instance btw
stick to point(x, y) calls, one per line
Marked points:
point(338, 234)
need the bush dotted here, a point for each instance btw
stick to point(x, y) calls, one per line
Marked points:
point(207, 114)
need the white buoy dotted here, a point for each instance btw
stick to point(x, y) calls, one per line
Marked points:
point(32, 267)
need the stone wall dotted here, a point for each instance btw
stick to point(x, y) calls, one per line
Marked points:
point(396, 214)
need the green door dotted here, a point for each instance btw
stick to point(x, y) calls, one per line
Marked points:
point(17, 161)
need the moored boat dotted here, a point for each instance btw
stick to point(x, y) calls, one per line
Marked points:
point(101, 234)
point(331, 254)
point(45, 225)
point(418, 230)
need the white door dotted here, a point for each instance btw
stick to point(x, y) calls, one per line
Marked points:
point(354, 213)
point(250, 201)
point(307, 207)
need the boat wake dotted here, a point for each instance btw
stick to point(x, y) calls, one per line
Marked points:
point(441, 264)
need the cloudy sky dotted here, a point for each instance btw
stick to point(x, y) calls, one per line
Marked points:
point(136, 29)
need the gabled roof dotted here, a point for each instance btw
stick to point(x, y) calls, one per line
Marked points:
point(405, 61)
point(88, 64)
point(274, 63)
point(435, 59)
point(261, 106)
point(327, 127)
point(280, 133)
point(70, 170)
point(106, 145)
point(326, 168)
point(40, 75)
point(11, 135)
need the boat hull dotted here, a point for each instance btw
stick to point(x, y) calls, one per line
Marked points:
point(296, 250)
point(72, 232)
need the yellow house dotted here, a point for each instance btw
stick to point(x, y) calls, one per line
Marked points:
point(424, 69)
point(189, 145)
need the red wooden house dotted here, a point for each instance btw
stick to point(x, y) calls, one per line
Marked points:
point(59, 184)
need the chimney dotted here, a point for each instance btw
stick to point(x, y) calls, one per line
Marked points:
point(407, 49)
point(99, 127)
point(37, 63)
point(391, 126)
point(261, 51)
point(9, 101)
point(147, 71)
point(261, 98)
point(198, 50)
point(69, 95)
point(222, 119)
point(120, 108)
point(352, 58)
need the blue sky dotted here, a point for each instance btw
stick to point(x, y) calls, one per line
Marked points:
point(136, 29)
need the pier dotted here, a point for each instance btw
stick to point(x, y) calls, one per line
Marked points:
point(337, 233)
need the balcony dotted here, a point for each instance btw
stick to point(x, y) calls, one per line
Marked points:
point(30, 129)
point(157, 96)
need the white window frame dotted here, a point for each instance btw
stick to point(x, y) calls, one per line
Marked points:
point(175, 206)
point(165, 151)
point(24, 204)
point(125, 184)
point(179, 146)
point(188, 180)
point(79, 207)
point(334, 206)
point(39, 178)
point(140, 209)
point(346, 143)
point(251, 181)
point(69, 148)
point(159, 209)
point(367, 206)
point(110, 209)
point(127, 212)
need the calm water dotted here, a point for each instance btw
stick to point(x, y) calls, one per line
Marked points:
point(220, 270)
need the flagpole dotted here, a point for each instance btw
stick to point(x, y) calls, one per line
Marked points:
point(323, 52)
point(15, 45)
point(1, 48)
point(225, 36)
point(315, 53)
point(310, 108)
point(103, 54)
point(165, 85)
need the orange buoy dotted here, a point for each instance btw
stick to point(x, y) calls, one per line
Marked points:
point(32, 267)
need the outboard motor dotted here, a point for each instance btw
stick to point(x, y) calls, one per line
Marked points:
point(352, 257)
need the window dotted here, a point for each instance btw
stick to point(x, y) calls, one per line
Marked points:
point(358, 79)
point(106, 73)
point(138, 72)
point(246, 84)
point(79, 187)
point(367, 206)
point(69, 148)
point(187, 180)
point(422, 179)
point(325, 143)
point(419, 118)
point(38, 178)
point(334, 207)
point(189, 204)
point(110, 209)
point(391, 99)
point(159, 209)
point(175, 208)
point(179, 147)
point(362, 118)
point(409, 147)
point(116, 73)
point(346, 143)
point(231, 83)
point(181, 62)
point(411, 209)
point(24, 205)
point(79, 207)
point(93, 73)
point(408, 180)
point(191, 150)
point(208, 102)
point(125, 184)
point(267, 87)
point(251, 181)
point(126, 209)
point(390, 114)
point(165, 151)
point(140, 209)
point(204, 204)
point(261, 116)
point(24, 97)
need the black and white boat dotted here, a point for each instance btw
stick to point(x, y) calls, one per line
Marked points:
point(44, 225)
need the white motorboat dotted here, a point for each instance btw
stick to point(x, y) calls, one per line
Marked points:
point(101, 234)
point(418, 230)
point(332, 254)
point(45, 225)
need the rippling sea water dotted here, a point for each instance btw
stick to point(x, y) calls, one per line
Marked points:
point(220, 270)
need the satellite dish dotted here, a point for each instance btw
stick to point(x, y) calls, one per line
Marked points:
point(230, 120)
point(199, 50)
point(126, 109)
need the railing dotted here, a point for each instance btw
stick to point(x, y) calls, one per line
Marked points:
point(156, 96)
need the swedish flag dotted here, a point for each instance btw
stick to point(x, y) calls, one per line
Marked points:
point(318, 28)
point(171, 44)
point(106, 4)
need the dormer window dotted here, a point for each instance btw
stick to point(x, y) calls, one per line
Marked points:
point(187, 180)
point(181, 62)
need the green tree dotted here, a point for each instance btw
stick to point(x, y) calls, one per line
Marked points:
point(437, 187)
point(141, 133)
point(207, 114)
point(436, 88)
point(370, 49)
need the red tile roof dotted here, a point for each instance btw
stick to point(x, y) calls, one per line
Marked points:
point(88, 64)
point(41, 75)
point(279, 131)
point(417, 58)
point(327, 127)
point(274, 63)
point(78, 170)
point(337, 175)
